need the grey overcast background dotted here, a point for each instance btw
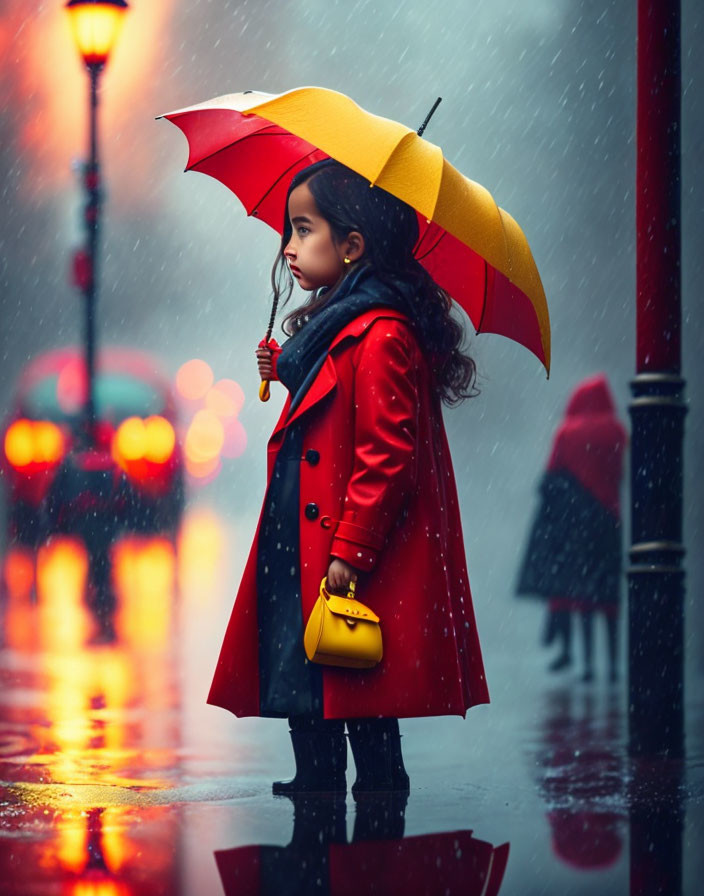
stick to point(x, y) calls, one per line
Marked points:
point(538, 106)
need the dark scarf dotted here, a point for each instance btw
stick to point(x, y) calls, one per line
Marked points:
point(303, 354)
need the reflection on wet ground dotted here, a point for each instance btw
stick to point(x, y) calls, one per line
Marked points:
point(89, 730)
point(319, 859)
point(116, 778)
point(581, 777)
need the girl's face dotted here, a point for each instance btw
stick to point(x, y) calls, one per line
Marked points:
point(314, 257)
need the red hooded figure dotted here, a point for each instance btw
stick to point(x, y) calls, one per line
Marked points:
point(573, 556)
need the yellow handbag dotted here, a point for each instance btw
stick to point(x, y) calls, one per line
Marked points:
point(341, 631)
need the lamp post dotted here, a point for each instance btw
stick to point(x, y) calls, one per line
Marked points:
point(95, 25)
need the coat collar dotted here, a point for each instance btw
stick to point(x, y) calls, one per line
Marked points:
point(326, 380)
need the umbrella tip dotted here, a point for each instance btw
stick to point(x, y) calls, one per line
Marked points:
point(429, 116)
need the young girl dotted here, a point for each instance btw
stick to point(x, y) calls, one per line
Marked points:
point(360, 486)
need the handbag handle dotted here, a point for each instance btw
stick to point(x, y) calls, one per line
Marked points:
point(351, 588)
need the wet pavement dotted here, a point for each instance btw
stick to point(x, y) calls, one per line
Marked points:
point(117, 778)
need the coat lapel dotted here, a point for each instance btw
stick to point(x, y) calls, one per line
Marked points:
point(322, 385)
point(326, 380)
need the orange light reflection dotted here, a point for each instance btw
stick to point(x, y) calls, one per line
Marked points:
point(62, 568)
point(201, 554)
point(18, 573)
point(144, 573)
point(105, 725)
point(98, 887)
point(72, 837)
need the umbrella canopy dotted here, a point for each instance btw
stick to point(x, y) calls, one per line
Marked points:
point(255, 143)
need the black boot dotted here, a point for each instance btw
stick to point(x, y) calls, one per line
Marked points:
point(320, 751)
point(376, 747)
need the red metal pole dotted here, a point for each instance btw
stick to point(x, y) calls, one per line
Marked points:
point(656, 576)
point(658, 187)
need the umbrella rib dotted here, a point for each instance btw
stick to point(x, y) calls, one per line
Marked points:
point(279, 179)
point(432, 248)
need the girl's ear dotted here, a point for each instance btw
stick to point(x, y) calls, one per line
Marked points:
point(354, 245)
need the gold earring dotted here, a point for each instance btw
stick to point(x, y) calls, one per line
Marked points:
point(346, 259)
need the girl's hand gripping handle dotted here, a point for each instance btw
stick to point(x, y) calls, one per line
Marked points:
point(267, 354)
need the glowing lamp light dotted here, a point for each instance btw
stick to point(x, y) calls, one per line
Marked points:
point(161, 439)
point(152, 439)
point(96, 25)
point(48, 442)
point(19, 443)
point(33, 442)
point(131, 439)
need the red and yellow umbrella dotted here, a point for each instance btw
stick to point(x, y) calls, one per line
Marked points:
point(254, 143)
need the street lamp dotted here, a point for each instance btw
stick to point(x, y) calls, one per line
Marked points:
point(96, 25)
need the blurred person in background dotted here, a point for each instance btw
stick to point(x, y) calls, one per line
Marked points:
point(573, 555)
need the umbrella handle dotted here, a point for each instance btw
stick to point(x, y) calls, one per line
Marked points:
point(264, 392)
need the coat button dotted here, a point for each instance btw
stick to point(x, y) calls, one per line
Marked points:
point(312, 511)
point(312, 456)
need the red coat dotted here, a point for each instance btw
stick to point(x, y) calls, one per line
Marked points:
point(376, 489)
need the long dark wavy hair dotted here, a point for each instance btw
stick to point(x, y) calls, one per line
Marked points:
point(390, 230)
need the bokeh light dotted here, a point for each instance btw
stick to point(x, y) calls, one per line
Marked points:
point(225, 399)
point(72, 386)
point(203, 471)
point(194, 379)
point(205, 438)
point(235, 439)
